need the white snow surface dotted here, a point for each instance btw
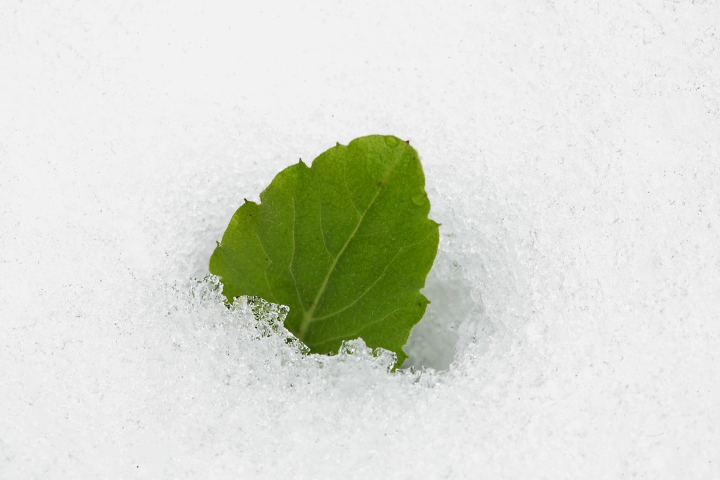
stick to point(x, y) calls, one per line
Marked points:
point(572, 156)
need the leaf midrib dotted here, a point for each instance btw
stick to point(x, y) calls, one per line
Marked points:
point(308, 314)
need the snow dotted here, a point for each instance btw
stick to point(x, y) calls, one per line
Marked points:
point(572, 155)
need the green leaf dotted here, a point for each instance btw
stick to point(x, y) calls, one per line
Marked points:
point(346, 244)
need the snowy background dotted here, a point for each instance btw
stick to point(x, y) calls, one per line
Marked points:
point(572, 155)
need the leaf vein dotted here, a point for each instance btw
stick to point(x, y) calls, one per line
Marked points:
point(322, 232)
point(352, 202)
point(267, 281)
point(363, 328)
point(292, 258)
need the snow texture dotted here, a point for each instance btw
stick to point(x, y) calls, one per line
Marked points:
point(572, 155)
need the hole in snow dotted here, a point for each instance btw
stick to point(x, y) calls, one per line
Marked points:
point(434, 340)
